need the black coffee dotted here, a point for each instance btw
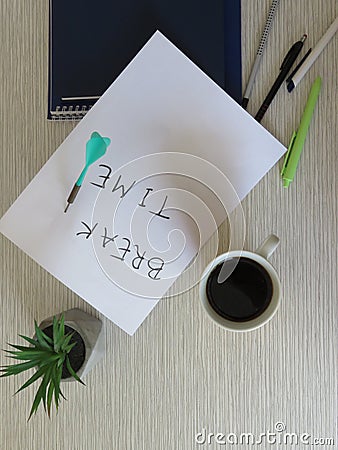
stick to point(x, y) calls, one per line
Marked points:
point(244, 295)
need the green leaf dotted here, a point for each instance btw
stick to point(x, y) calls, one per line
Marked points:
point(56, 387)
point(40, 395)
point(57, 380)
point(39, 373)
point(72, 372)
point(62, 324)
point(36, 402)
point(22, 348)
point(47, 338)
point(55, 333)
point(50, 396)
point(59, 333)
point(61, 359)
point(70, 346)
point(35, 359)
point(52, 359)
point(31, 354)
point(34, 342)
point(43, 339)
point(67, 339)
point(17, 368)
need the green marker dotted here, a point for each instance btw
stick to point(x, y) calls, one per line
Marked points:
point(299, 136)
point(96, 147)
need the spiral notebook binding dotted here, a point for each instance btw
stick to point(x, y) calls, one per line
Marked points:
point(70, 112)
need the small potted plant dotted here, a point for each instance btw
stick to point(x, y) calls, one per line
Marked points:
point(64, 348)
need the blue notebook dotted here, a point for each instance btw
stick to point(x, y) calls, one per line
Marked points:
point(92, 42)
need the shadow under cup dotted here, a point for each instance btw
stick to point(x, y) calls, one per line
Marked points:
point(245, 293)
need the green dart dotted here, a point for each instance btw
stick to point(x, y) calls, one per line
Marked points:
point(96, 147)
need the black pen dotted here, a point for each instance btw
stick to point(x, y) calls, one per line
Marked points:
point(289, 59)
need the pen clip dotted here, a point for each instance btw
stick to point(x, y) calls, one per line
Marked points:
point(294, 51)
point(288, 153)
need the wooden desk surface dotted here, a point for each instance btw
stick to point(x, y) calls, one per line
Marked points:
point(181, 374)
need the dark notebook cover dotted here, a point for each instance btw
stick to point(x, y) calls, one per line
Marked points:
point(91, 42)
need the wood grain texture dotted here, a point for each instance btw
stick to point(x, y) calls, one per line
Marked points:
point(180, 373)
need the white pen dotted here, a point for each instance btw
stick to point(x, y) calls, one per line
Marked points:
point(260, 50)
point(291, 84)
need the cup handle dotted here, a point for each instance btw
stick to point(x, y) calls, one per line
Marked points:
point(268, 246)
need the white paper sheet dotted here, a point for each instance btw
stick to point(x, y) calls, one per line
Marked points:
point(174, 131)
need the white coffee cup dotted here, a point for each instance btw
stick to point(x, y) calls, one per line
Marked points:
point(260, 256)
